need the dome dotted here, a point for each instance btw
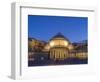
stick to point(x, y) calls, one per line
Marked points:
point(59, 36)
point(59, 40)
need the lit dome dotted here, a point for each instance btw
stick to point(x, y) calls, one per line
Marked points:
point(59, 40)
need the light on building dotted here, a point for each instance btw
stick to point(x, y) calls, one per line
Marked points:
point(70, 47)
point(51, 43)
point(65, 43)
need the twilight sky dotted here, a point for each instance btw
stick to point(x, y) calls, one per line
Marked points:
point(45, 27)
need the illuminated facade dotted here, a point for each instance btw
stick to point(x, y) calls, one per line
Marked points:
point(58, 48)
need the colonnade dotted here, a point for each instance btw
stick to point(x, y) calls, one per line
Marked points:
point(59, 54)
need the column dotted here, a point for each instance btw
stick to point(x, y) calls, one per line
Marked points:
point(62, 53)
point(51, 54)
point(57, 54)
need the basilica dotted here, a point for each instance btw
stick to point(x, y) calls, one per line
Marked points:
point(58, 48)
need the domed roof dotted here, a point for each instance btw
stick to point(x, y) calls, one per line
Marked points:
point(59, 36)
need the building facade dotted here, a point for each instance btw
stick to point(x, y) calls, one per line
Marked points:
point(57, 48)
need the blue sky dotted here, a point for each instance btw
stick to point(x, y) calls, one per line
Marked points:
point(45, 27)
